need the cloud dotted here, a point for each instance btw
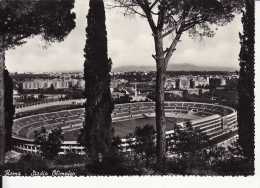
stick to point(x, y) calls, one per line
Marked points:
point(129, 42)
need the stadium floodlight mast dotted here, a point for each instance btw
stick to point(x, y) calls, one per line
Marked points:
point(19, 20)
point(168, 21)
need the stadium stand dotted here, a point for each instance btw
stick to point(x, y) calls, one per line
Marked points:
point(218, 122)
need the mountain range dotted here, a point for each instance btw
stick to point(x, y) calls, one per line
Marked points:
point(173, 67)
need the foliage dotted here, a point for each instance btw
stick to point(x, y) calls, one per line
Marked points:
point(97, 67)
point(52, 19)
point(234, 166)
point(145, 143)
point(26, 165)
point(51, 88)
point(122, 99)
point(113, 165)
point(230, 161)
point(9, 109)
point(168, 20)
point(20, 19)
point(49, 142)
point(190, 147)
point(189, 140)
point(69, 158)
point(177, 16)
point(115, 146)
point(246, 81)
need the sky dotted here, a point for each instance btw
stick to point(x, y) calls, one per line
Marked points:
point(130, 42)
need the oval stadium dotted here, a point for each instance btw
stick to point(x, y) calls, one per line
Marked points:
point(218, 122)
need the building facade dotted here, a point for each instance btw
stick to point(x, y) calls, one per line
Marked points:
point(55, 83)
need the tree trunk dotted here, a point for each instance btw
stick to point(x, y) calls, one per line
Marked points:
point(2, 120)
point(159, 101)
point(99, 124)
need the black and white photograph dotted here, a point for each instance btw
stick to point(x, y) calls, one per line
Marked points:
point(127, 88)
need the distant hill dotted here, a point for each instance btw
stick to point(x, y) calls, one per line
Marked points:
point(173, 67)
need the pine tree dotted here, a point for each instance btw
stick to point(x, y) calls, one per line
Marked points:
point(19, 20)
point(97, 66)
point(9, 109)
point(168, 21)
point(246, 81)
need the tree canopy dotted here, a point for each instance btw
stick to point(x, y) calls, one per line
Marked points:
point(177, 16)
point(52, 19)
point(173, 17)
point(50, 142)
point(20, 19)
point(168, 20)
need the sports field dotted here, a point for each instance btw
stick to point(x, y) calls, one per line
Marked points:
point(125, 123)
point(123, 128)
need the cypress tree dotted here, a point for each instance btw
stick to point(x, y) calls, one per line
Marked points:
point(2, 110)
point(9, 109)
point(97, 67)
point(246, 81)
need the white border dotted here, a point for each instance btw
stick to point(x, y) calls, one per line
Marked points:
point(156, 182)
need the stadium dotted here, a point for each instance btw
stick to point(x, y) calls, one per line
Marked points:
point(218, 122)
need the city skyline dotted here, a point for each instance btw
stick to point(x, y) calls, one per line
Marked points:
point(126, 46)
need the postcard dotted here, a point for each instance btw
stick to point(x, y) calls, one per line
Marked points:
point(127, 87)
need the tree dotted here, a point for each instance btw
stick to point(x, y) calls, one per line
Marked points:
point(53, 20)
point(9, 109)
point(51, 88)
point(50, 143)
point(169, 20)
point(228, 160)
point(189, 139)
point(97, 66)
point(19, 20)
point(246, 81)
point(20, 88)
point(145, 145)
point(189, 145)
